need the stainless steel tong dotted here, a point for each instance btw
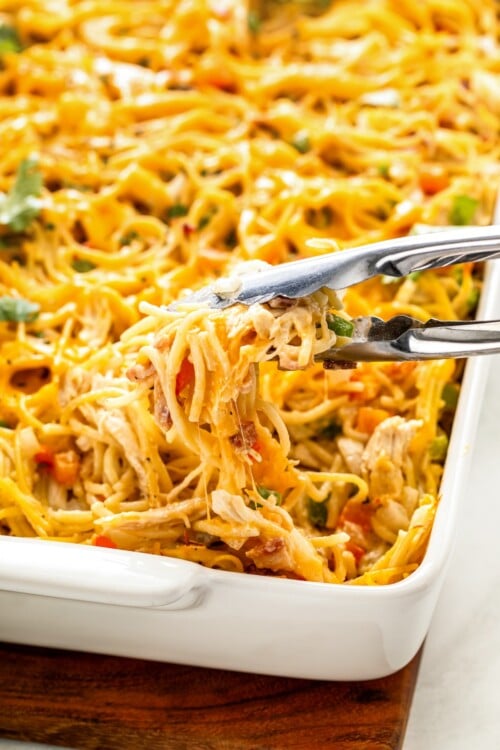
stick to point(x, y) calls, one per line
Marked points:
point(403, 338)
point(400, 338)
point(338, 270)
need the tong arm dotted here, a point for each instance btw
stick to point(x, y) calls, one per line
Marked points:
point(403, 338)
point(338, 270)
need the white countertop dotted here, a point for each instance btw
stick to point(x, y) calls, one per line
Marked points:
point(457, 700)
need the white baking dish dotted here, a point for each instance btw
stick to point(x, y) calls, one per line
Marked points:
point(128, 604)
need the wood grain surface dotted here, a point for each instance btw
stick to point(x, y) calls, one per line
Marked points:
point(87, 701)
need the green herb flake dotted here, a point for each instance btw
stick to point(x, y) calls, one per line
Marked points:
point(383, 170)
point(49, 226)
point(331, 430)
point(253, 505)
point(5, 425)
point(463, 209)
point(9, 40)
point(317, 512)
point(253, 22)
point(339, 325)
point(176, 210)
point(265, 493)
point(205, 220)
point(450, 394)
point(438, 448)
point(18, 310)
point(472, 300)
point(301, 142)
point(21, 204)
point(129, 237)
point(80, 265)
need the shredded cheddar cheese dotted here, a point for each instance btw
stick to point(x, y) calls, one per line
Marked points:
point(148, 148)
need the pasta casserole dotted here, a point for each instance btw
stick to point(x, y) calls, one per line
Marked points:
point(153, 147)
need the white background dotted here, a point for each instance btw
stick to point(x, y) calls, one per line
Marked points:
point(457, 701)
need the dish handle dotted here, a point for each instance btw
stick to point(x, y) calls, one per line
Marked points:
point(98, 574)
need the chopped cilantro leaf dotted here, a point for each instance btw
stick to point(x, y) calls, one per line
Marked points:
point(9, 40)
point(265, 493)
point(383, 170)
point(82, 266)
point(18, 310)
point(128, 237)
point(317, 512)
point(204, 222)
point(21, 204)
point(463, 210)
point(331, 430)
point(253, 22)
point(206, 219)
point(176, 210)
point(5, 425)
point(301, 142)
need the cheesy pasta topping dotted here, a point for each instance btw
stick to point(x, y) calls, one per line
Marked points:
point(152, 147)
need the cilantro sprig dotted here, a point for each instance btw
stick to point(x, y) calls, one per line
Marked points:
point(18, 310)
point(21, 204)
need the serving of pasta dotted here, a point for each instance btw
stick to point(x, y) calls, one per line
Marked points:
point(153, 147)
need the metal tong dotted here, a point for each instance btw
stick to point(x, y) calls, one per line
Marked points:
point(400, 338)
point(403, 339)
point(338, 270)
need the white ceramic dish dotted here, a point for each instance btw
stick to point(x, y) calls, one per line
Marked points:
point(128, 604)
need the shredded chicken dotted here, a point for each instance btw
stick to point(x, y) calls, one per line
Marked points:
point(352, 453)
point(138, 373)
point(294, 553)
point(386, 465)
point(245, 439)
point(385, 454)
point(116, 426)
point(272, 554)
point(161, 410)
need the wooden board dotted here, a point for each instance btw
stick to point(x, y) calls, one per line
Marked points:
point(86, 701)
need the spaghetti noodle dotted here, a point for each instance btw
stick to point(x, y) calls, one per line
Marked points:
point(149, 148)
